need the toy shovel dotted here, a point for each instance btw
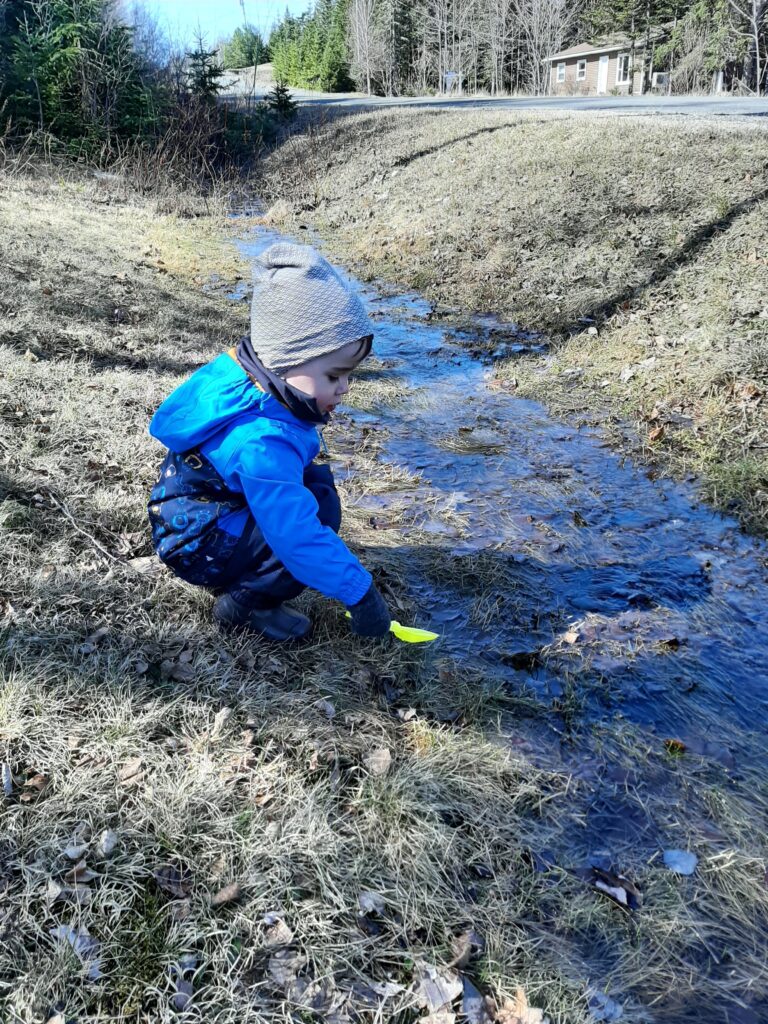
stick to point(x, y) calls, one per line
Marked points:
point(409, 634)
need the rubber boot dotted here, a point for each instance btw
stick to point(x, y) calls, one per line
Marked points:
point(279, 624)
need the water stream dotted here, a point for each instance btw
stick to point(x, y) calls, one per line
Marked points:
point(549, 562)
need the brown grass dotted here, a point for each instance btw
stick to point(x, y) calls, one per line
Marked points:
point(217, 761)
point(650, 231)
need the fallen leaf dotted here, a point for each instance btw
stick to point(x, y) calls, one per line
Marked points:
point(326, 708)
point(518, 1011)
point(284, 966)
point(371, 902)
point(473, 1004)
point(86, 948)
point(620, 889)
point(603, 1008)
point(131, 773)
point(436, 988)
point(682, 862)
point(229, 894)
point(75, 850)
point(378, 762)
point(656, 433)
point(33, 787)
point(220, 720)
point(571, 637)
point(174, 880)
point(182, 995)
point(465, 946)
point(81, 874)
point(108, 840)
point(278, 933)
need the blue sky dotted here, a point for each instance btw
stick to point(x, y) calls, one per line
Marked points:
point(219, 18)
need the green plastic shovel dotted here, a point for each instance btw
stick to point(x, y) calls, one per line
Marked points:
point(409, 634)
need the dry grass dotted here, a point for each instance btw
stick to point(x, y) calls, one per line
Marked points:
point(653, 229)
point(218, 761)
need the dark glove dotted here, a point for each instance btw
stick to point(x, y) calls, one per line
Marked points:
point(370, 617)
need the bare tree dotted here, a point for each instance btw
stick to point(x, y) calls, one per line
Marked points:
point(543, 25)
point(362, 40)
point(754, 15)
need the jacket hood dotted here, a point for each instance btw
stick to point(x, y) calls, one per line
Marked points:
point(214, 396)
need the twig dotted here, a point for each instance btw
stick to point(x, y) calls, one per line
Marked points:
point(68, 515)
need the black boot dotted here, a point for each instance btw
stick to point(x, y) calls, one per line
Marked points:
point(280, 623)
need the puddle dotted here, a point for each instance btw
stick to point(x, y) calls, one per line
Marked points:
point(553, 565)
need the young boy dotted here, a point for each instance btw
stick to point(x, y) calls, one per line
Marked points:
point(240, 506)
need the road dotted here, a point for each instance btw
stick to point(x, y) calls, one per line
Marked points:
point(701, 106)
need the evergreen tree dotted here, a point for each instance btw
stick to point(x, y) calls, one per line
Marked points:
point(203, 74)
point(244, 49)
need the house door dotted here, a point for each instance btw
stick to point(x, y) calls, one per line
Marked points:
point(602, 73)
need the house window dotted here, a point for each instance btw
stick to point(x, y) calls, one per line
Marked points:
point(581, 70)
point(561, 72)
point(622, 69)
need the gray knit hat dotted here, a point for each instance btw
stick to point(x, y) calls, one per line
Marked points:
point(301, 308)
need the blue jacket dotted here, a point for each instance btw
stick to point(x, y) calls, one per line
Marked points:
point(259, 450)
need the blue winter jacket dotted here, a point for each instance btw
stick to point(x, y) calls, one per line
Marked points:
point(259, 450)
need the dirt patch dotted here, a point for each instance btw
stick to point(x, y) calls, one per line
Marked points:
point(636, 245)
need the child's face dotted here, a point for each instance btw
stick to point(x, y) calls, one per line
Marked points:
point(326, 379)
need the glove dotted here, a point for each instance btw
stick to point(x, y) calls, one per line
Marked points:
point(370, 617)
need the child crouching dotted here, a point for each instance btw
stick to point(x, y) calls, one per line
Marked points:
point(240, 506)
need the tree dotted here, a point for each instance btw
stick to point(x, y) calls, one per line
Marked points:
point(244, 49)
point(281, 102)
point(203, 73)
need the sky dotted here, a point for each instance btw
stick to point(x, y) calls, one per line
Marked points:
point(219, 18)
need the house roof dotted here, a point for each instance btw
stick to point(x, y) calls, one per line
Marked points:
point(588, 49)
point(612, 44)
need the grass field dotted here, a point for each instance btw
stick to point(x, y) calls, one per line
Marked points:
point(637, 245)
point(211, 829)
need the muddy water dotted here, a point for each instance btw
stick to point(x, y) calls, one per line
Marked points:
point(552, 565)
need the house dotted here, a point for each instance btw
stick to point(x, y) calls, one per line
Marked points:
point(594, 69)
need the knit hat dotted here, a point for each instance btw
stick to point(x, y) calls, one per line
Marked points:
point(301, 308)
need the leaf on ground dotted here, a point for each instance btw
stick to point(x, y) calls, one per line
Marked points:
point(107, 843)
point(182, 995)
point(33, 788)
point(436, 988)
point(7, 777)
point(131, 772)
point(180, 671)
point(603, 1008)
point(674, 747)
point(620, 889)
point(174, 880)
point(371, 902)
point(326, 708)
point(278, 933)
point(80, 874)
point(146, 565)
point(465, 946)
point(682, 862)
point(440, 1017)
point(378, 762)
point(571, 637)
point(284, 966)
point(518, 1011)
point(220, 720)
point(85, 947)
point(473, 1004)
point(229, 894)
point(75, 850)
